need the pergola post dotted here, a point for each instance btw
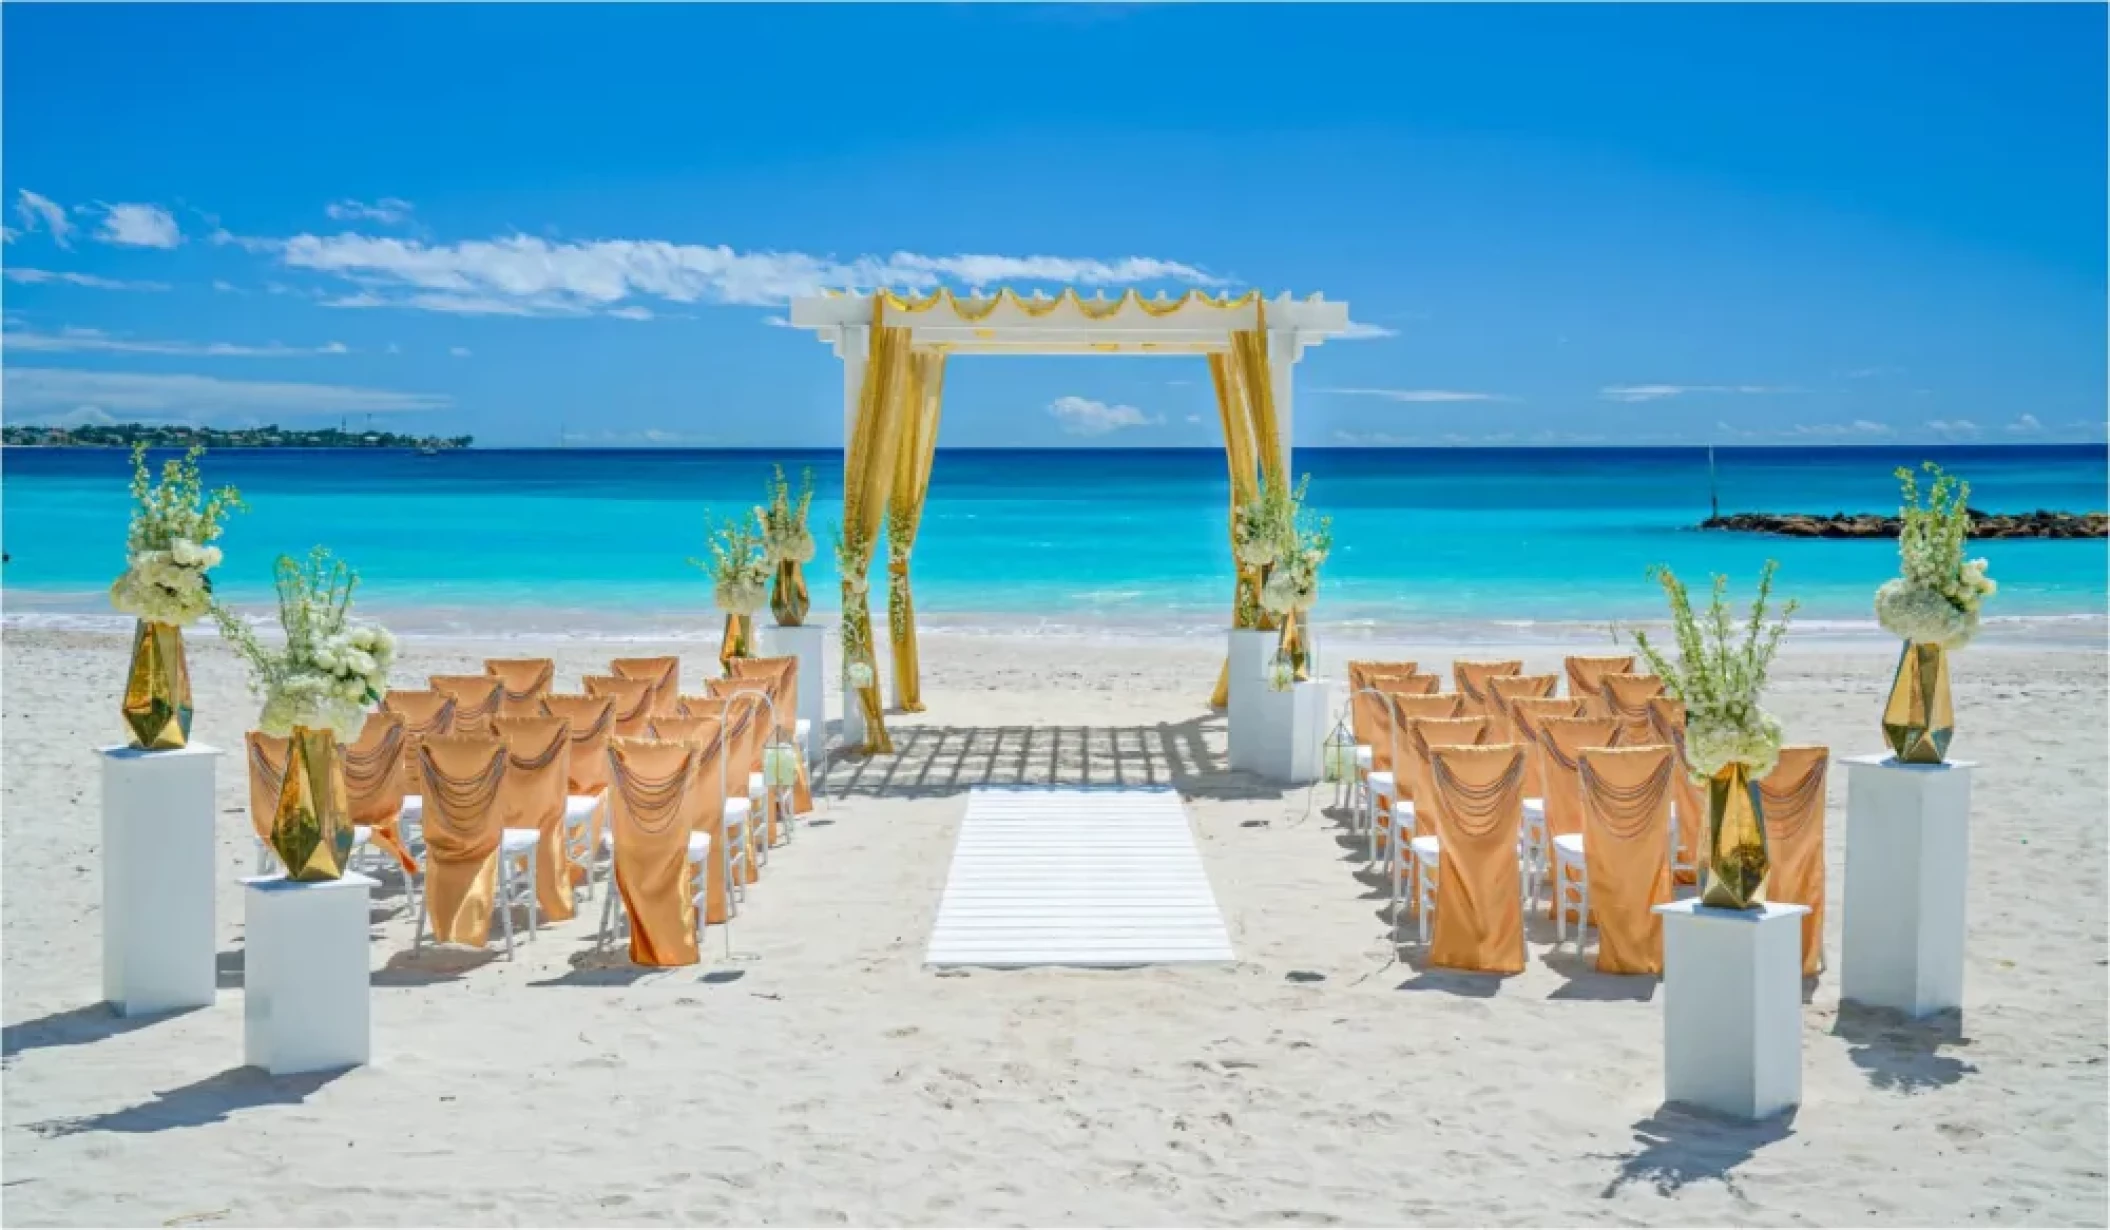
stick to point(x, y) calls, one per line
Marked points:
point(853, 344)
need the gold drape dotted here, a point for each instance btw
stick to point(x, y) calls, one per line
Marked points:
point(1245, 484)
point(868, 469)
point(912, 466)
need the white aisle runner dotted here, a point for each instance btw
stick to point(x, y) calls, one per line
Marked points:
point(1103, 877)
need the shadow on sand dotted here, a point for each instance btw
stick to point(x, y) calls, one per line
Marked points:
point(1678, 1145)
point(212, 1100)
point(1900, 1054)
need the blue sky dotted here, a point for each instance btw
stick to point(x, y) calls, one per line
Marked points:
point(1566, 224)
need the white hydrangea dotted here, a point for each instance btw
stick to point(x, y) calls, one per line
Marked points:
point(788, 544)
point(739, 595)
point(1916, 612)
point(859, 675)
point(1715, 741)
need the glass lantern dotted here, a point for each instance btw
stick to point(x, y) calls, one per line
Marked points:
point(1340, 754)
point(1281, 672)
point(780, 765)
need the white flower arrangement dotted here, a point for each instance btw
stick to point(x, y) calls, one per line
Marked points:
point(1720, 676)
point(168, 546)
point(738, 567)
point(1261, 525)
point(1938, 594)
point(329, 669)
point(785, 536)
point(1281, 673)
point(859, 675)
point(1305, 542)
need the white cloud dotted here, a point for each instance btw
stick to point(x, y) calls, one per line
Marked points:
point(1862, 428)
point(1194, 418)
point(2025, 425)
point(1870, 373)
point(1359, 332)
point(632, 313)
point(387, 210)
point(1081, 416)
point(95, 340)
point(139, 226)
point(1418, 395)
point(55, 390)
point(530, 276)
point(1953, 429)
point(778, 322)
point(1658, 392)
point(35, 277)
point(1374, 439)
point(459, 352)
point(43, 213)
point(227, 288)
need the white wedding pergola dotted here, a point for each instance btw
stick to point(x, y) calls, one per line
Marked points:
point(1039, 324)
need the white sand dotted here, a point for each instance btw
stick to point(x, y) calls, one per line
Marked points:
point(832, 1080)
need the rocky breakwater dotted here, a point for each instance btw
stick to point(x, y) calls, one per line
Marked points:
point(2039, 524)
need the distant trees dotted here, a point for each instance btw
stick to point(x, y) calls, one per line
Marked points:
point(161, 435)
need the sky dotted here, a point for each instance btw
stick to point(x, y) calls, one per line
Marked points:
point(1643, 224)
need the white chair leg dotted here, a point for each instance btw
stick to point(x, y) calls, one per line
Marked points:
point(505, 901)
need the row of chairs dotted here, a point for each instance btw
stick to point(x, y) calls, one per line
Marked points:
point(496, 795)
point(1587, 797)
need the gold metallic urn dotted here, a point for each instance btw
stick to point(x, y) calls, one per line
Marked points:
point(1734, 871)
point(311, 832)
point(157, 705)
point(1292, 645)
point(739, 641)
point(1918, 720)
point(787, 597)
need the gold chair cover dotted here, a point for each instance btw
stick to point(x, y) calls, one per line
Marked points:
point(1625, 699)
point(1626, 844)
point(704, 811)
point(1479, 797)
point(1793, 795)
point(475, 702)
point(267, 774)
point(1364, 673)
point(748, 733)
point(1471, 680)
point(786, 695)
point(1526, 713)
point(462, 831)
point(373, 783)
point(1504, 691)
point(538, 777)
point(633, 702)
point(1401, 708)
point(1417, 737)
point(650, 785)
point(592, 720)
point(425, 714)
point(1584, 672)
point(526, 681)
point(1560, 744)
point(664, 674)
point(1666, 724)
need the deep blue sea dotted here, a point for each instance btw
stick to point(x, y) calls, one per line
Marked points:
point(1130, 538)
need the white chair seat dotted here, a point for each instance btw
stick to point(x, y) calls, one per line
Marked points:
point(738, 806)
point(1535, 808)
point(1382, 784)
point(1362, 756)
point(361, 835)
point(1568, 847)
point(514, 841)
point(413, 808)
point(580, 806)
point(756, 783)
point(1426, 849)
point(801, 730)
point(699, 847)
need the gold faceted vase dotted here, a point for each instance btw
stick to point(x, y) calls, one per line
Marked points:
point(739, 641)
point(311, 830)
point(157, 704)
point(1734, 871)
point(1292, 645)
point(1918, 720)
point(787, 597)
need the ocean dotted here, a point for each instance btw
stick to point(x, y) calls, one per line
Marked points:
point(1085, 539)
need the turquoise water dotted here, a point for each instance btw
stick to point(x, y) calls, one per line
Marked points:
point(1129, 538)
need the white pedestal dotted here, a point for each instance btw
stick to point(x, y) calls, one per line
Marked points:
point(158, 879)
point(1732, 1008)
point(809, 644)
point(304, 975)
point(1250, 653)
point(1292, 730)
point(1908, 860)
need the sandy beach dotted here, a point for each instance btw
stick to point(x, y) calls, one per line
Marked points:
point(827, 1078)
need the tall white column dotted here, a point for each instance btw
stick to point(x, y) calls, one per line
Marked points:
point(1908, 873)
point(158, 872)
point(854, 345)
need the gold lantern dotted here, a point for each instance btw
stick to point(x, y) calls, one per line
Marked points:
point(1918, 719)
point(157, 703)
point(311, 830)
point(1734, 871)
